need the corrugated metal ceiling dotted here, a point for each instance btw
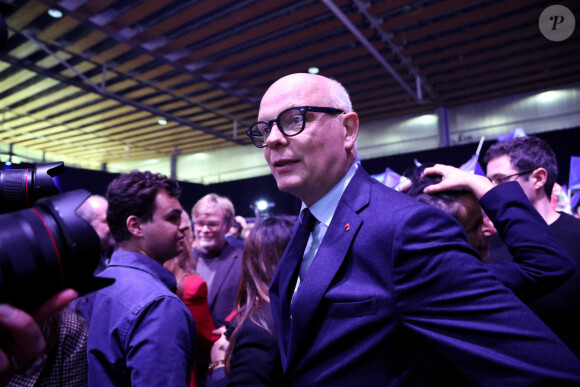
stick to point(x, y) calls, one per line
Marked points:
point(91, 86)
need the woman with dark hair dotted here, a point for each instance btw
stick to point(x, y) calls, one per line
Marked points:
point(251, 356)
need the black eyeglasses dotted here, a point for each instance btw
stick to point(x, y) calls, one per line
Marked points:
point(502, 179)
point(290, 123)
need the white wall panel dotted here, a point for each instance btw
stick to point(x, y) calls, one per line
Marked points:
point(553, 110)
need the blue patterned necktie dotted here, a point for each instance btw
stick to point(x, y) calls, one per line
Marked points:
point(288, 270)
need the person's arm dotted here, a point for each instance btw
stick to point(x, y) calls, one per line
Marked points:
point(255, 358)
point(541, 264)
point(22, 340)
point(444, 294)
point(455, 179)
point(216, 374)
point(160, 344)
point(217, 378)
point(195, 298)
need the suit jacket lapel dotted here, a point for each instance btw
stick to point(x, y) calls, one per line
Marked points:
point(343, 228)
point(280, 295)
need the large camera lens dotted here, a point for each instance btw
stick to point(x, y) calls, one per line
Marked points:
point(47, 248)
point(20, 188)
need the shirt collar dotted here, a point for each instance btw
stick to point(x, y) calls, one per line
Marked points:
point(144, 263)
point(324, 208)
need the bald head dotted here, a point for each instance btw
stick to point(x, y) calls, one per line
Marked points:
point(94, 211)
point(308, 164)
point(327, 91)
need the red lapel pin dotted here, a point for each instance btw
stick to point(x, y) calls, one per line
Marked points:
point(346, 227)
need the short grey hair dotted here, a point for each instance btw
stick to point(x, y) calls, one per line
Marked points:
point(339, 95)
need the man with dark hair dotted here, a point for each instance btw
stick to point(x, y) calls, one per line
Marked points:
point(540, 262)
point(530, 160)
point(532, 163)
point(376, 288)
point(141, 333)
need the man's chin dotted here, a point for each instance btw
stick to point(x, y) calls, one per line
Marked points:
point(286, 184)
point(207, 246)
point(484, 256)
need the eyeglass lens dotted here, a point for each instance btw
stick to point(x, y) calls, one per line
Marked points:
point(290, 122)
point(502, 179)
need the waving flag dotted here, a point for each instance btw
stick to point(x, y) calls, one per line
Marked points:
point(389, 178)
point(574, 178)
point(517, 132)
point(472, 165)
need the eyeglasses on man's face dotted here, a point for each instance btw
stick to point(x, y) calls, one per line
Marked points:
point(211, 225)
point(290, 123)
point(497, 180)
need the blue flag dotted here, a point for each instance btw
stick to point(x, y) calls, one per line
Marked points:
point(574, 178)
point(389, 178)
point(575, 200)
point(472, 165)
point(517, 132)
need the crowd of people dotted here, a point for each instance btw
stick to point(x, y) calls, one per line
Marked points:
point(459, 280)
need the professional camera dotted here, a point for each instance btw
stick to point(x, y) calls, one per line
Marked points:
point(20, 188)
point(45, 248)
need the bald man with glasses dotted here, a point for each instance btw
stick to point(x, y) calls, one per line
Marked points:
point(376, 288)
point(532, 163)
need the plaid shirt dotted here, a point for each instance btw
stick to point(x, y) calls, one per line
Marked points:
point(66, 364)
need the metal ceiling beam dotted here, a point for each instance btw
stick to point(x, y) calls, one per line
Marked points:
point(118, 37)
point(419, 83)
point(90, 86)
point(81, 147)
point(395, 50)
point(346, 21)
point(116, 97)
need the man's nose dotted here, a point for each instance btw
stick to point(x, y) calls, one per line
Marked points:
point(275, 137)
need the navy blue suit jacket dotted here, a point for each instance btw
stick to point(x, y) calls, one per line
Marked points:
point(396, 296)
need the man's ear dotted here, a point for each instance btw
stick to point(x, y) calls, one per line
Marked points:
point(350, 122)
point(539, 177)
point(228, 226)
point(134, 226)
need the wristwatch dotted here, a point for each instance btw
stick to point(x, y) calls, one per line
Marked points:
point(215, 364)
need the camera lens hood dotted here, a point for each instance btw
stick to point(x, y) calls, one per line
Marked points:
point(47, 248)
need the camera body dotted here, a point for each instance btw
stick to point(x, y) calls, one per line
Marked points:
point(45, 246)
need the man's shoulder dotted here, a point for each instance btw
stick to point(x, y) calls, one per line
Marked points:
point(235, 241)
point(382, 208)
point(133, 288)
point(231, 251)
point(379, 194)
point(127, 277)
point(566, 223)
point(567, 230)
point(123, 307)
